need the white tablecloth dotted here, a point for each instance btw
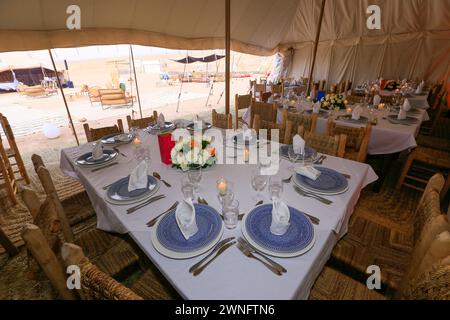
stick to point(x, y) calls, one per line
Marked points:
point(232, 275)
point(386, 138)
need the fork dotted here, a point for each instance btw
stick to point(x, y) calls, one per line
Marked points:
point(143, 204)
point(118, 151)
point(248, 254)
point(312, 195)
point(152, 222)
point(247, 245)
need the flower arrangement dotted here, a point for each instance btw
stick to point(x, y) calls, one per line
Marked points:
point(332, 101)
point(392, 85)
point(193, 153)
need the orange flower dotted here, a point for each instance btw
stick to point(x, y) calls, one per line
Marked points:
point(212, 152)
point(194, 144)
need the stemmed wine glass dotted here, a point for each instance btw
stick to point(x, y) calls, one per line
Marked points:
point(259, 183)
point(293, 157)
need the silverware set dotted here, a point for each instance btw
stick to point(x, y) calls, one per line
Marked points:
point(104, 167)
point(152, 222)
point(320, 159)
point(158, 176)
point(119, 152)
point(145, 203)
point(251, 252)
point(219, 248)
point(312, 195)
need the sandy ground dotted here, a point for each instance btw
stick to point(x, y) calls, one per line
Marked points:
point(28, 115)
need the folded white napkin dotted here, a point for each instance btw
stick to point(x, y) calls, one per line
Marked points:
point(161, 121)
point(298, 144)
point(316, 107)
point(376, 100)
point(356, 113)
point(280, 217)
point(138, 177)
point(406, 105)
point(420, 87)
point(185, 216)
point(308, 171)
point(97, 152)
point(401, 114)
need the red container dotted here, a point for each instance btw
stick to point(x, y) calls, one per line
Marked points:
point(165, 147)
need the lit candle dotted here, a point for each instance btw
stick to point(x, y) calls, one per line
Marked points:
point(381, 106)
point(136, 141)
point(308, 98)
point(349, 110)
point(222, 186)
point(246, 155)
point(345, 102)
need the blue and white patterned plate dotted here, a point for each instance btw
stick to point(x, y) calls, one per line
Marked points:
point(298, 239)
point(329, 182)
point(310, 153)
point(118, 191)
point(87, 160)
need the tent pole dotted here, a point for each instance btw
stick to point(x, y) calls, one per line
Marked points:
point(64, 97)
point(316, 43)
point(135, 80)
point(227, 55)
point(181, 84)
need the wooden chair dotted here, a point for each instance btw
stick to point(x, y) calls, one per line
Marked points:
point(259, 89)
point(333, 146)
point(7, 177)
point(277, 90)
point(77, 208)
point(241, 102)
point(421, 164)
point(6, 243)
point(95, 284)
point(321, 86)
point(143, 122)
point(221, 120)
point(333, 89)
point(97, 133)
point(93, 94)
point(265, 96)
point(295, 120)
point(437, 124)
point(357, 139)
point(266, 112)
point(259, 124)
point(13, 151)
point(111, 253)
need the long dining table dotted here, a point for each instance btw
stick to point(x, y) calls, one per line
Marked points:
point(232, 275)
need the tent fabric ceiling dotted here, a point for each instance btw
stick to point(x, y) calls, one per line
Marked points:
point(413, 39)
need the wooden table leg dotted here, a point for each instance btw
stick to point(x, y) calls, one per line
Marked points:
point(7, 244)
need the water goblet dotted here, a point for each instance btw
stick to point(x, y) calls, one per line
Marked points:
point(195, 176)
point(275, 186)
point(230, 212)
point(293, 157)
point(259, 183)
point(187, 188)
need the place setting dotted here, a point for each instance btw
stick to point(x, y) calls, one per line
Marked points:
point(402, 116)
point(354, 116)
point(160, 125)
point(316, 109)
point(98, 158)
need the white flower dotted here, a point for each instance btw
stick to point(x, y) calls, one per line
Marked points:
point(178, 146)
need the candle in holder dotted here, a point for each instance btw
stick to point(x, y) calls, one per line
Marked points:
point(346, 102)
point(308, 98)
point(222, 186)
point(381, 106)
point(246, 155)
point(137, 142)
point(349, 110)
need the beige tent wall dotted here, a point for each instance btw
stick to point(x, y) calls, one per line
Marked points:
point(414, 41)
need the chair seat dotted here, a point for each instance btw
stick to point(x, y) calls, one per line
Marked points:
point(433, 157)
point(110, 253)
point(153, 286)
point(333, 285)
point(367, 244)
point(351, 154)
point(78, 208)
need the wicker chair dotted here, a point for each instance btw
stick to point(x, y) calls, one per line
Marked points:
point(13, 151)
point(241, 102)
point(269, 126)
point(77, 208)
point(95, 284)
point(221, 120)
point(292, 121)
point(142, 123)
point(111, 253)
point(93, 134)
point(357, 139)
point(422, 163)
point(259, 89)
point(333, 146)
point(266, 111)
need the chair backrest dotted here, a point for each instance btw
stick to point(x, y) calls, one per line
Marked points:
point(333, 88)
point(260, 124)
point(241, 102)
point(221, 120)
point(265, 96)
point(357, 138)
point(142, 123)
point(46, 258)
point(427, 209)
point(277, 89)
point(7, 177)
point(93, 134)
point(52, 197)
point(95, 284)
point(259, 88)
point(266, 111)
point(308, 122)
point(334, 146)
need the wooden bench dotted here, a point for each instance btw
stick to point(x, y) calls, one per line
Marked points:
point(114, 97)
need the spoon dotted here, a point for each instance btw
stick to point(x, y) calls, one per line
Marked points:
point(157, 176)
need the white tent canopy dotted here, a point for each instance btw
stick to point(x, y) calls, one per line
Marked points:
point(413, 40)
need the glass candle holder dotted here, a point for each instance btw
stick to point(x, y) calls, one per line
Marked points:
point(222, 186)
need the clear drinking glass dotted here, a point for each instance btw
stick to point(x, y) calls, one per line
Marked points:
point(187, 188)
point(195, 176)
point(230, 212)
point(259, 183)
point(275, 186)
point(293, 157)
